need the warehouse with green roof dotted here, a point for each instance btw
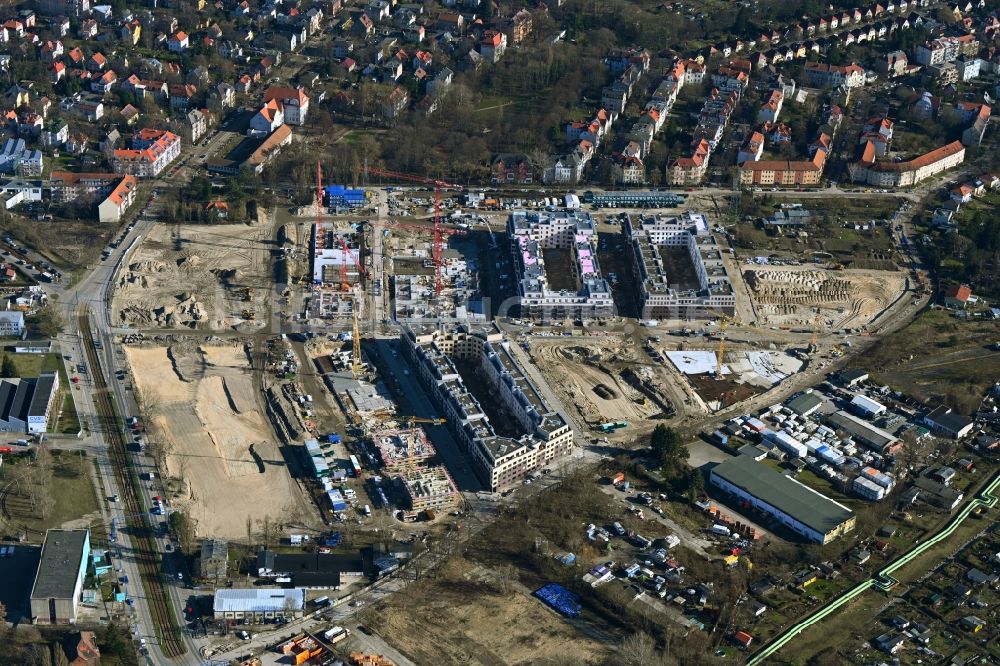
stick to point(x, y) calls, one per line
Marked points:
point(796, 506)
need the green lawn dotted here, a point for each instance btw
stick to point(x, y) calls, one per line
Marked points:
point(71, 490)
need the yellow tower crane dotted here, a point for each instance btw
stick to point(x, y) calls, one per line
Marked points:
point(724, 321)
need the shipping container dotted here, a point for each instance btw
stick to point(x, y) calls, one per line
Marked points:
point(355, 466)
point(868, 489)
point(720, 437)
point(880, 478)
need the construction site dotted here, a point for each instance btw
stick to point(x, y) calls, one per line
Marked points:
point(604, 378)
point(402, 448)
point(196, 277)
point(428, 488)
point(337, 270)
point(825, 299)
point(202, 407)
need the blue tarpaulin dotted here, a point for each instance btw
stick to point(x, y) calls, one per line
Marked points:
point(560, 599)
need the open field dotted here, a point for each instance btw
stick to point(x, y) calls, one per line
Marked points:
point(209, 447)
point(460, 620)
point(939, 358)
point(792, 295)
point(74, 501)
point(205, 277)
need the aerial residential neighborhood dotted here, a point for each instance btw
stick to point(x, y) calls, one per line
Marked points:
point(466, 332)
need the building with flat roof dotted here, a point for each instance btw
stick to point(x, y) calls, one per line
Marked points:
point(429, 488)
point(12, 323)
point(796, 506)
point(59, 581)
point(329, 255)
point(663, 250)
point(258, 603)
point(864, 432)
point(26, 404)
point(634, 199)
point(573, 288)
point(311, 570)
point(499, 461)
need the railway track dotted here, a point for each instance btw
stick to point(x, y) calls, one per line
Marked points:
point(137, 519)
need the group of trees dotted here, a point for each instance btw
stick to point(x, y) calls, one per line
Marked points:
point(670, 452)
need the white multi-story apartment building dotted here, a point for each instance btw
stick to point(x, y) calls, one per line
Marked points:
point(576, 290)
point(500, 461)
point(654, 244)
point(152, 150)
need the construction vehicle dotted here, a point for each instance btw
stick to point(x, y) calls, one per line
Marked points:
point(249, 315)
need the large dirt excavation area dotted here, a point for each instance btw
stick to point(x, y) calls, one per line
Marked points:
point(589, 379)
point(841, 299)
point(198, 277)
point(202, 406)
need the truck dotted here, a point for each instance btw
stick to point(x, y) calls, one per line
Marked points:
point(720, 529)
point(617, 478)
point(367, 510)
point(611, 426)
point(336, 634)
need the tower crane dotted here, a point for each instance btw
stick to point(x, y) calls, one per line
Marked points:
point(357, 369)
point(438, 245)
point(409, 421)
point(724, 321)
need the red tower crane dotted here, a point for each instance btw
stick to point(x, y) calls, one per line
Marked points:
point(438, 246)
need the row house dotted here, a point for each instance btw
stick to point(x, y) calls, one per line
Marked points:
point(833, 76)
point(151, 152)
point(783, 172)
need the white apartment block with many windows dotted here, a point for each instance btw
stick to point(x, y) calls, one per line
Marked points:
point(580, 293)
point(499, 461)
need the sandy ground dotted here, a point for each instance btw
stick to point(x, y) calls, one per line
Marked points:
point(578, 369)
point(791, 295)
point(208, 423)
point(203, 280)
